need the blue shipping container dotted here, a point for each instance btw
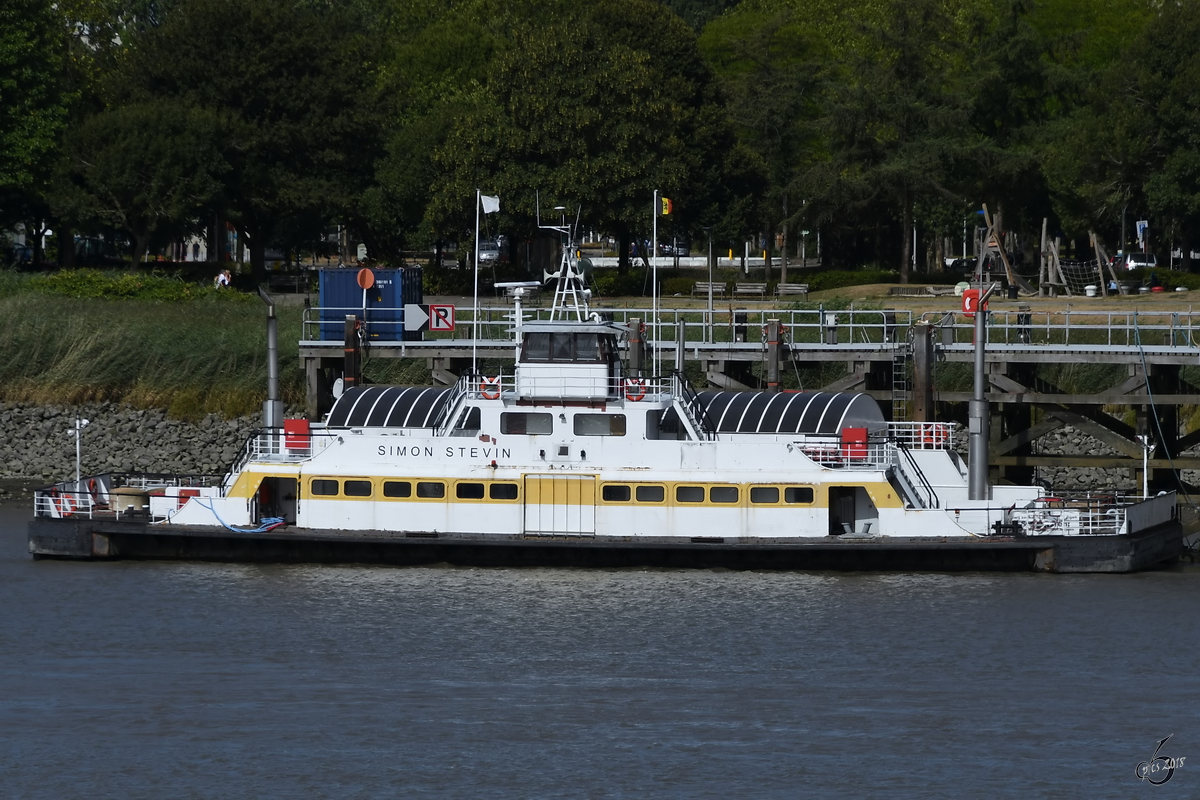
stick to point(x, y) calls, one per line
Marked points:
point(381, 307)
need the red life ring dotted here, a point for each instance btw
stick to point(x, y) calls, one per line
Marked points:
point(93, 492)
point(635, 389)
point(490, 389)
point(927, 432)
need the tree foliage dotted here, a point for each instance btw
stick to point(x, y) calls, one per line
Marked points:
point(869, 120)
point(33, 96)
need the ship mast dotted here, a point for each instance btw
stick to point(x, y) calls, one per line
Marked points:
point(570, 295)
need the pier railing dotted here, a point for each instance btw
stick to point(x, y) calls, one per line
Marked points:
point(815, 324)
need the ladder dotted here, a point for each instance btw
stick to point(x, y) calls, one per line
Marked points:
point(900, 358)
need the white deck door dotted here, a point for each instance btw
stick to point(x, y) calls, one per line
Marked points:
point(560, 504)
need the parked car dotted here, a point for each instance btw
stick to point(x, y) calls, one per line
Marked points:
point(680, 248)
point(489, 252)
point(1137, 261)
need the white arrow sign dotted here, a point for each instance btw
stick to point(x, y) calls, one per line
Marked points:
point(416, 318)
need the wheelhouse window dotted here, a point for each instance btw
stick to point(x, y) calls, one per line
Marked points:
point(526, 423)
point(431, 489)
point(357, 488)
point(599, 424)
point(397, 489)
point(587, 347)
point(323, 487)
point(798, 494)
point(615, 493)
point(537, 347)
point(560, 347)
point(566, 346)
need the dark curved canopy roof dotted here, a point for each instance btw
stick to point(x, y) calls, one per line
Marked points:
point(388, 407)
point(789, 412)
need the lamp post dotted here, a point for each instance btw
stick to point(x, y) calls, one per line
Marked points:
point(710, 283)
point(77, 432)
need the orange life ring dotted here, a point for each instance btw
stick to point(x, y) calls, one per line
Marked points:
point(927, 434)
point(635, 389)
point(93, 492)
point(490, 388)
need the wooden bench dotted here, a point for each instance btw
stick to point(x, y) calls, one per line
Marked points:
point(787, 289)
point(759, 289)
point(701, 288)
point(287, 283)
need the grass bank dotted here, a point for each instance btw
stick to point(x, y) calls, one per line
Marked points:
point(152, 341)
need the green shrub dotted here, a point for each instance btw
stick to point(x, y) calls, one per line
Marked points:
point(840, 279)
point(97, 284)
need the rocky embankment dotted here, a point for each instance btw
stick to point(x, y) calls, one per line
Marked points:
point(38, 442)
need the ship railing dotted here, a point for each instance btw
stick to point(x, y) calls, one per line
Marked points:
point(922, 435)
point(467, 385)
point(1082, 515)
point(111, 495)
point(910, 475)
point(687, 399)
point(278, 445)
point(832, 451)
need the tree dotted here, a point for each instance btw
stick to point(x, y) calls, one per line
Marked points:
point(33, 100)
point(294, 81)
point(1165, 96)
point(578, 108)
point(143, 168)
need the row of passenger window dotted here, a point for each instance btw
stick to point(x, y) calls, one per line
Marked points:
point(526, 422)
point(609, 492)
point(425, 490)
point(719, 495)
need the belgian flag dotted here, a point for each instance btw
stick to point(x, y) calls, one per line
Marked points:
point(667, 207)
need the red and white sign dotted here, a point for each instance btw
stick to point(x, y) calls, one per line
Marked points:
point(441, 317)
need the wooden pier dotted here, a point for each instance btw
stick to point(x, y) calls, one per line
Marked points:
point(890, 354)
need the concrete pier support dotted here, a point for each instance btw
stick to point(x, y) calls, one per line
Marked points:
point(637, 347)
point(773, 354)
point(922, 409)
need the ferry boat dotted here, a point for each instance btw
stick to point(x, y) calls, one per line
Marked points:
point(574, 458)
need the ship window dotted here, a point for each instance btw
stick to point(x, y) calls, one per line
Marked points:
point(397, 489)
point(599, 424)
point(587, 347)
point(537, 347)
point(798, 494)
point(723, 494)
point(615, 493)
point(431, 489)
point(651, 494)
point(520, 422)
point(560, 347)
point(324, 487)
point(469, 491)
point(689, 494)
point(764, 494)
point(503, 491)
point(357, 488)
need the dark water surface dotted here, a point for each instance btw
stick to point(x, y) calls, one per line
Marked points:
point(160, 679)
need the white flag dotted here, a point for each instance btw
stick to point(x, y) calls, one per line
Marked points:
point(490, 204)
